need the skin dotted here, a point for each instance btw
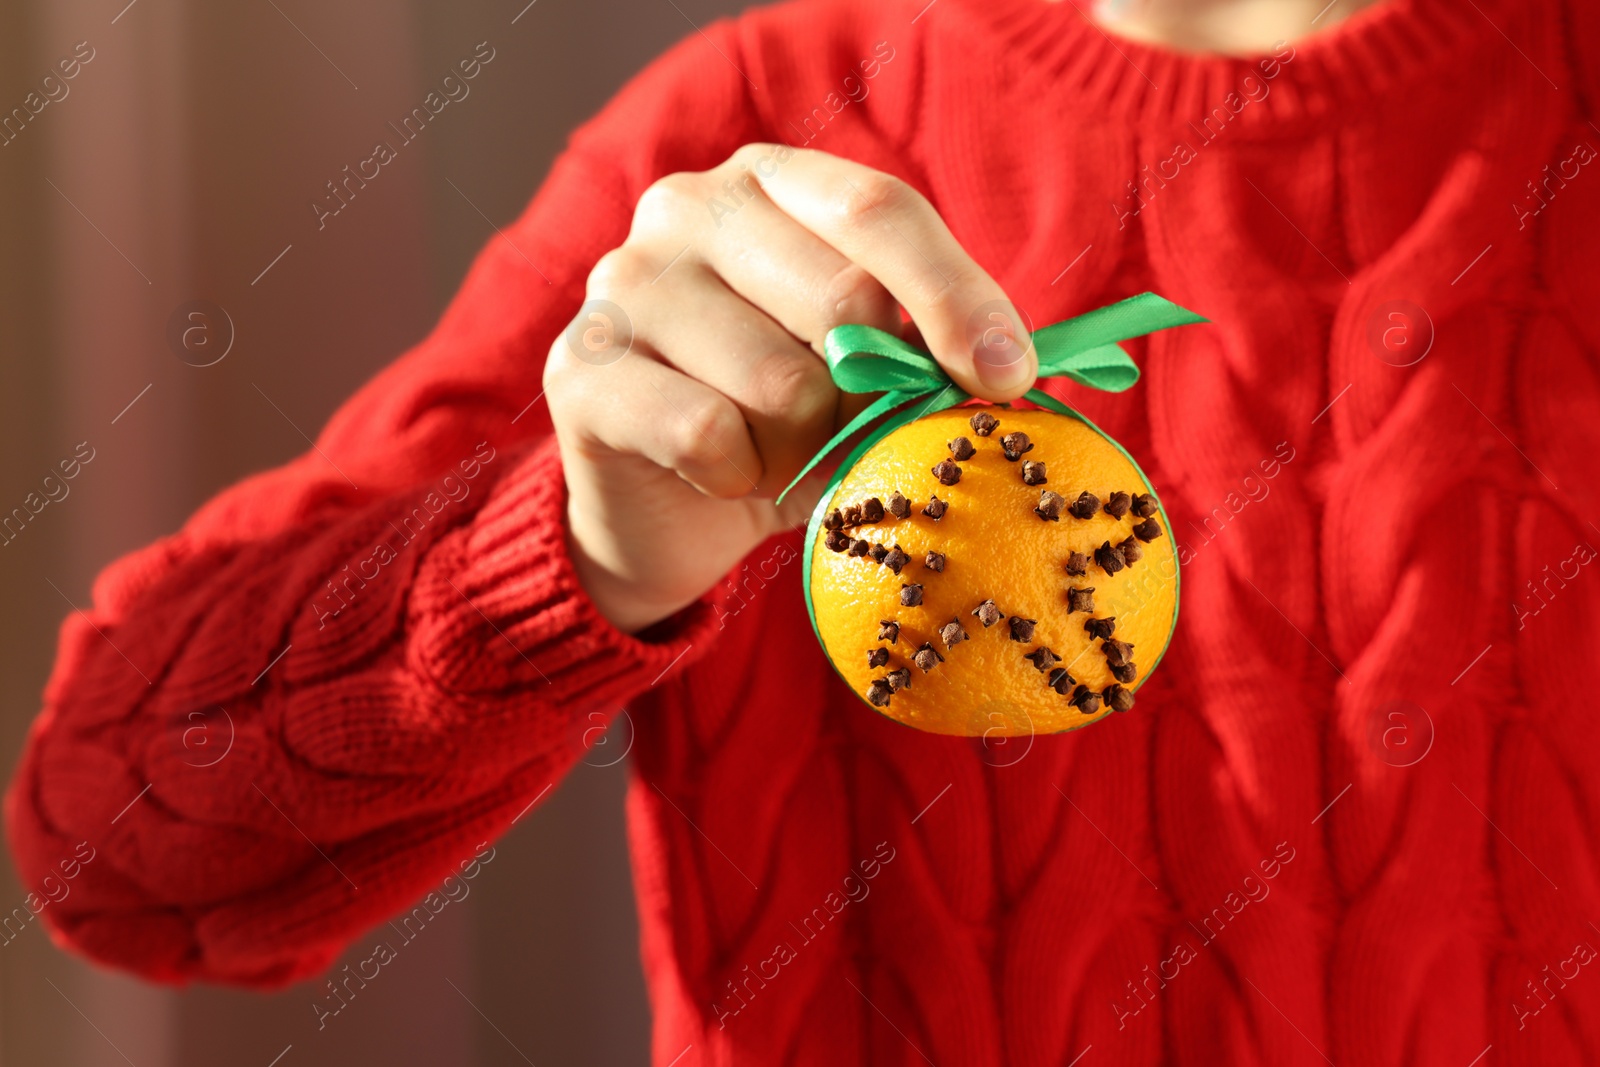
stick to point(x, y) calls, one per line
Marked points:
point(676, 440)
point(1227, 27)
point(675, 448)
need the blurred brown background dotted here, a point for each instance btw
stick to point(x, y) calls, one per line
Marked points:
point(180, 165)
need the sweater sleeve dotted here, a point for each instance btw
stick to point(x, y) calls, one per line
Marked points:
point(275, 728)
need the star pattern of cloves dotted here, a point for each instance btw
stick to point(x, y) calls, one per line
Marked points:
point(1113, 556)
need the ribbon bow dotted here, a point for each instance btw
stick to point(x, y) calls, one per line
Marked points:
point(863, 359)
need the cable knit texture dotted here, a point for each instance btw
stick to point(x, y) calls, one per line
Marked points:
point(1252, 868)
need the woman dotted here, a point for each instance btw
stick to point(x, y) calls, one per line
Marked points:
point(1348, 821)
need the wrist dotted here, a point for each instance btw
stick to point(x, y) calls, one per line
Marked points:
point(619, 599)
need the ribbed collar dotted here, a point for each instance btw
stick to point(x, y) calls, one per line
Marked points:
point(1371, 54)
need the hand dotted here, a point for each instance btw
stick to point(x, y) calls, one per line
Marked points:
point(683, 417)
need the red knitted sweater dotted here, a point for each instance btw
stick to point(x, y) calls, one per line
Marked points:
point(1349, 820)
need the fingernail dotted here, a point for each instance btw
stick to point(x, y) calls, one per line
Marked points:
point(1000, 362)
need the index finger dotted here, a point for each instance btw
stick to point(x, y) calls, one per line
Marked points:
point(890, 230)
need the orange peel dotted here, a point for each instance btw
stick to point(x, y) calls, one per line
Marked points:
point(998, 544)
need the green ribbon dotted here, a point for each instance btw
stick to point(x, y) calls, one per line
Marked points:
point(863, 359)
